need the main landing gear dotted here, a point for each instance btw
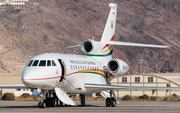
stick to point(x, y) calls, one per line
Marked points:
point(110, 101)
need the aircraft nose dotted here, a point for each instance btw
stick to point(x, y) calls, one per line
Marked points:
point(27, 78)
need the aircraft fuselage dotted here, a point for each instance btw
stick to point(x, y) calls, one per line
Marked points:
point(76, 69)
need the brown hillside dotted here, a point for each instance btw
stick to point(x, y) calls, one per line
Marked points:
point(53, 25)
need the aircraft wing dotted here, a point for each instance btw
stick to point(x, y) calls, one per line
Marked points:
point(171, 76)
point(14, 87)
point(103, 87)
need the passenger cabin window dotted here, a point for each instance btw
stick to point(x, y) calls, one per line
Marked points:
point(30, 63)
point(48, 63)
point(35, 63)
point(53, 63)
point(42, 63)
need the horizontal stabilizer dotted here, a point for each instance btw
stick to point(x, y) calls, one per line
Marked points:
point(135, 44)
point(103, 87)
point(73, 46)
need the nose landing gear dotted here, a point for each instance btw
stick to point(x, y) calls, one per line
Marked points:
point(42, 103)
point(47, 100)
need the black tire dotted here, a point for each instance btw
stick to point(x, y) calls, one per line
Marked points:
point(82, 103)
point(39, 105)
point(43, 104)
point(108, 102)
point(113, 102)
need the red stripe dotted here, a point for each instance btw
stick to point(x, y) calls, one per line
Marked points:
point(105, 46)
point(43, 78)
point(66, 75)
point(112, 39)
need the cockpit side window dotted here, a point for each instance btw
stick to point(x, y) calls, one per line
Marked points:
point(35, 63)
point(48, 63)
point(42, 63)
point(53, 63)
point(30, 63)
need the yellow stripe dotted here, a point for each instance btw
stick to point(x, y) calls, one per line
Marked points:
point(108, 49)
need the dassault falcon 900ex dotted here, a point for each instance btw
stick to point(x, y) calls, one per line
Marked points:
point(63, 75)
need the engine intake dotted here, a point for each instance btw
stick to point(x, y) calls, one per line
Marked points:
point(117, 67)
point(113, 66)
point(87, 46)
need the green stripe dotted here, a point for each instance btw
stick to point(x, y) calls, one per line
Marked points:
point(108, 54)
point(95, 73)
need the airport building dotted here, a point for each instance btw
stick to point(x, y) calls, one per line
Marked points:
point(12, 2)
point(157, 80)
point(12, 80)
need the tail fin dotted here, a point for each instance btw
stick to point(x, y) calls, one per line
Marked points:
point(109, 30)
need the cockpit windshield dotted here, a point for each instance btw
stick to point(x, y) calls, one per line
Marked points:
point(41, 63)
point(35, 63)
point(30, 63)
point(53, 63)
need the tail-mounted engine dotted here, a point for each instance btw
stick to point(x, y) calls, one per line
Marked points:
point(117, 67)
point(91, 47)
point(95, 48)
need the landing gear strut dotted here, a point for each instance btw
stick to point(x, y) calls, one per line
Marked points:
point(82, 98)
point(110, 102)
point(42, 103)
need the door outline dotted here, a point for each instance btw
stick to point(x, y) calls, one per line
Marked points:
point(63, 69)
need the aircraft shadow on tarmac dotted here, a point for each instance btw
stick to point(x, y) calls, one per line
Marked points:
point(49, 107)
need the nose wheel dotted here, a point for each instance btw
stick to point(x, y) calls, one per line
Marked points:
point(42, 104)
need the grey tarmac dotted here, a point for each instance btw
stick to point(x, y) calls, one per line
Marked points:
point(92, 107)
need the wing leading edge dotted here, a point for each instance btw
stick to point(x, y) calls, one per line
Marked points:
point(102, 87)
point(14, 87)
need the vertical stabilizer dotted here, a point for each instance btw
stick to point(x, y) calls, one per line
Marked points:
point(109, 31)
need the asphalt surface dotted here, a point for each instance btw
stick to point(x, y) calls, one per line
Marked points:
point(92, 107)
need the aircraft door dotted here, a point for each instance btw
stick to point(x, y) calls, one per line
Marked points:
point(63, 69)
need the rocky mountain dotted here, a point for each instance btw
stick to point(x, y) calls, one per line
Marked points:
point(52, 25)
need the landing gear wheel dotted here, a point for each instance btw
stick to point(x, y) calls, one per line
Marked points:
point(39, 105)
point(43, 104)
point(108, 102)
point(113, 102)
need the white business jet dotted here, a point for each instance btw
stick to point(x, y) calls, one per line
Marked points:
point(63, 74)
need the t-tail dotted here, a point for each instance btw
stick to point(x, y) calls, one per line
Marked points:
point(104, 48)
